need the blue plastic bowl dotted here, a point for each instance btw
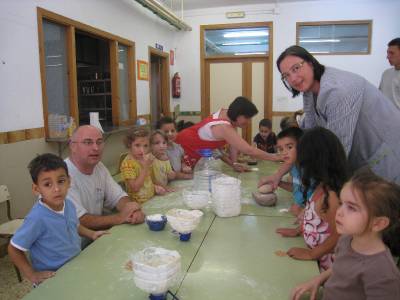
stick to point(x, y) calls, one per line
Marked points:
point(184, 237)
point(157, 225)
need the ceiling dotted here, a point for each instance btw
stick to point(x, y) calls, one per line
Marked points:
point(198, 4)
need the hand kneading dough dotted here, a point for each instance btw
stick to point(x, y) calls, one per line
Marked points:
point(265, 199)
point(265, 189)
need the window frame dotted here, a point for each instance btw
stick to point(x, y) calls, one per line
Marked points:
point(348, 22)
point(71, 26)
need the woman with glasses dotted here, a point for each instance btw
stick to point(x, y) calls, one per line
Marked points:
point(365, 121)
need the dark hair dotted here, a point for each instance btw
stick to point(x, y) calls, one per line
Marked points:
point(163, 121)
point(183, 125)
point(134, 134)
point(394, 42)
point(287, 122)
point(306, 56)
point(44, 163)
point(291, 132)
point(265, 123)
point(382, 199)
point(241, 106)
point(321, 160)
point(160, 132)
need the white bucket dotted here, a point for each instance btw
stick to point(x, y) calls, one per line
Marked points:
point(226, 194)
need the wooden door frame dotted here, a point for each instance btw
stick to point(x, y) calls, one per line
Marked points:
point(205, 67)
point(165, 82)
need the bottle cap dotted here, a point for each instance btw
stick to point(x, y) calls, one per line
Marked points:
point(205, 152)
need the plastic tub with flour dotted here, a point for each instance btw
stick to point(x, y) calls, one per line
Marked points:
point(226, 194)
point(156, 269)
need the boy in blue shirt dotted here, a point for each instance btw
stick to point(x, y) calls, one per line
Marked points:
point(50, 230)
point(287, 141)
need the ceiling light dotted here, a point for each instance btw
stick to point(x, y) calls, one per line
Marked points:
point(250, 53)
point(241, 43)
point(321, 41)
point(236, 34)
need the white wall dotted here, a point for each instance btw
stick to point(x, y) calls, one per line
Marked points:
point(21, 96)
point(386, 26)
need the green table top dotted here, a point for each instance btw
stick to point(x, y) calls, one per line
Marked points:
point(249, 184)
point(237, 261)
point(226, 257)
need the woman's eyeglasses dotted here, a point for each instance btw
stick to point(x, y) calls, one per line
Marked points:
point(293, 70)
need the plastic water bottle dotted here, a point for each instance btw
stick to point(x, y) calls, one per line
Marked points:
point(205, 171)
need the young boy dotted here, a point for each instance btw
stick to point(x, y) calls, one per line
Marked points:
point(50, 230)
point(287, 146)
point(174, 151)
point(265, 139)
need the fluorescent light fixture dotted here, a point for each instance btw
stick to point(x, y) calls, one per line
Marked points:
point(250, 53)
point(238, 34)
point(321, 41)
point(240, 43)
point(165, 14)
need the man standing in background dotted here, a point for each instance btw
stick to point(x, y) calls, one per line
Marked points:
point(390, 82)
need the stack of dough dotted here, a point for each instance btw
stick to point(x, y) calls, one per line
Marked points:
point(265, 196)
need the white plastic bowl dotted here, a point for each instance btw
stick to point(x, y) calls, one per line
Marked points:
point(182, 220)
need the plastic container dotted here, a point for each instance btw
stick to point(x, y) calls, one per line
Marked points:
point(156, 270)
point(196, 199)
point(206, 170)
point(226, 196)
point(184, 221)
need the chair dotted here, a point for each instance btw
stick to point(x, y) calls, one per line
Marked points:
point(118, 177)
point(8, 229)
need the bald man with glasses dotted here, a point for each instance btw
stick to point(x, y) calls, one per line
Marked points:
point(92, 187)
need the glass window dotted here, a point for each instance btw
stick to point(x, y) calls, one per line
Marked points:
point(237, 41)
point(57, 89)
point(123, 82)
point(339, 38)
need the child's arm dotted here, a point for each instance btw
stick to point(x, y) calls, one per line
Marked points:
point(19, 259)
point(137, 183)
point(311, 286)
point(91, 234)
point(329, 244)
point(171, 175)
point(287, 186)
point(184, 175)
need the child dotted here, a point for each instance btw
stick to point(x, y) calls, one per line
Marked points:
point(174, 151)
point(161, 168)
point(50, 230)
point(322, 161)
point(369, 221)
point(265, 139)
point(136, 167)
point(287, 141)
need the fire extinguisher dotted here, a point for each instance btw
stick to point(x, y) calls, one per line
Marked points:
point(176, 86)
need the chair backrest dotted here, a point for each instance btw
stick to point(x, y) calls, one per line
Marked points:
point(4, 194)
point(5, 197)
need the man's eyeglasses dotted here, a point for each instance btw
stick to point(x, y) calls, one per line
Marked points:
point(293, 70)
point(89, 142)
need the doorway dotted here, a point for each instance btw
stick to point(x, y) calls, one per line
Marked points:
point(159, 85)
point(235, 61)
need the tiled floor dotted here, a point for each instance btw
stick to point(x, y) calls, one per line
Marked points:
point(10, 288)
